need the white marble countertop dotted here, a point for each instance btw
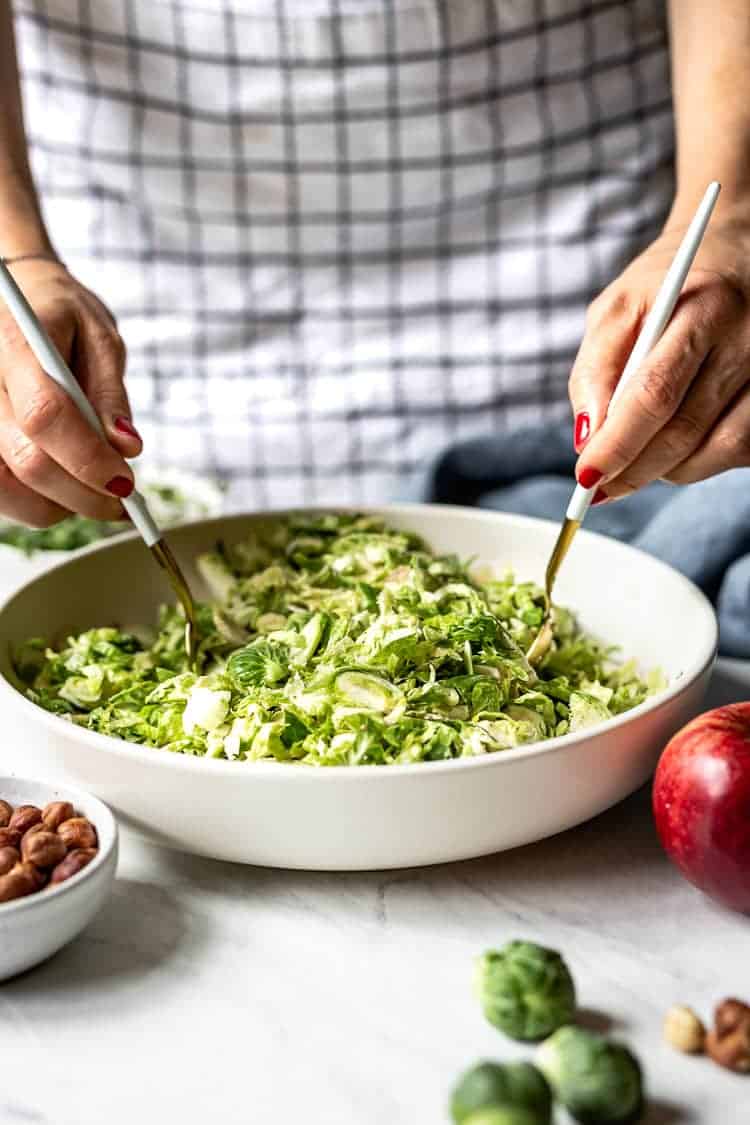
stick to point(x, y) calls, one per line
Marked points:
point(207, 992)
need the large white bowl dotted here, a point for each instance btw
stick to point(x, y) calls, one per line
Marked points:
point(346, 818)
point(35, 927)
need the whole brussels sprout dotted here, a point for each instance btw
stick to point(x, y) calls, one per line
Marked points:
point(503, 1115)
point(525, 990)
point(598, 1082)
point(505, 1086)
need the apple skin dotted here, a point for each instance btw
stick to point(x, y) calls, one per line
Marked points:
point(701, 803)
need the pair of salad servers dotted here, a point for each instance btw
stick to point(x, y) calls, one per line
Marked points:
point(54, 365)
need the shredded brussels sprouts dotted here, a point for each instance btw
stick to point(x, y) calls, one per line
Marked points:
point(336, 640)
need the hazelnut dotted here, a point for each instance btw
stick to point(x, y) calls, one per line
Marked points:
point(683, 1030)
point(77, 832)
point(9, 837)
point(24, 816)
point(6, 812)
point(730, 1014)
point(55, 813)
point(43, 849)
point(23, 879)
point(74, 862)
point(728, 1043)
point(9, 857)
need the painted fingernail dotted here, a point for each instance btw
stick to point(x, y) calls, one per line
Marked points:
point(125, 426)
point(120, 486)
point(589, 477)
point(582, 430)
point(599, 497)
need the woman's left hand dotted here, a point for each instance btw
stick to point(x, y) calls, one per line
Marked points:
point(685, 415)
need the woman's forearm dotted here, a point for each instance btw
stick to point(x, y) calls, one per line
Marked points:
point(22, 228)
point(710, 46)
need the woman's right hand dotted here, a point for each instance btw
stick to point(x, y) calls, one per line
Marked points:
point(52, 462)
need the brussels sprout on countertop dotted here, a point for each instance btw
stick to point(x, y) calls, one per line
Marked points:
point(598, 1082)
point(504, 1115)
point(507, 1088)
point(525, 990)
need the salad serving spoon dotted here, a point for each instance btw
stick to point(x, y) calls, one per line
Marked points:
point(53, 364)
point(653, 326)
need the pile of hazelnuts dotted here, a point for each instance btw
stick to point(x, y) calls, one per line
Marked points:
point(42, 847)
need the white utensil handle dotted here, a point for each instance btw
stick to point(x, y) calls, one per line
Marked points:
point(656, 321)
point(55, 366)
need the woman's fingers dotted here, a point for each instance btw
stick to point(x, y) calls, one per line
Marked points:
point(56, 492)
point(727, 447)
point(651, 399)
point(612, 325)
point(54, 461)
point(49, 420)
point(22, 504)
point(719, 381)
point(100, 368)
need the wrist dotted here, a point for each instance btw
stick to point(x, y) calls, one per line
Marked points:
point(22, 229)
point(731, 214)
point(21, 259)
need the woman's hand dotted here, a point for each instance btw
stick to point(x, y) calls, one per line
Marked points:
point(685, 414)
point(51, 461)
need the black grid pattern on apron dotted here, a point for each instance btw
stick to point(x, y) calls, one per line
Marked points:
point(324, 285)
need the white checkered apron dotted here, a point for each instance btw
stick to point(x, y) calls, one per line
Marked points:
point(341, 234)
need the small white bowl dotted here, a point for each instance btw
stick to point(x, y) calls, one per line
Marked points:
point(35, 927)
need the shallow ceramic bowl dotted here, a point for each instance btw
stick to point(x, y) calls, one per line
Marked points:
point(35, 927)
point(17, 568)
point(346, 818)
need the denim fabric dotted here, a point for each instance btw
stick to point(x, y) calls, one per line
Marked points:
point(702, 530)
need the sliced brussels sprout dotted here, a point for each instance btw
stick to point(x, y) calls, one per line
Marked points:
point(586, 710)
point(365, 689)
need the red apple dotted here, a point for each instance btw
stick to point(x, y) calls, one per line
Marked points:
point(701, 800)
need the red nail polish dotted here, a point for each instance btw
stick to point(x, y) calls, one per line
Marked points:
point(599, 497)
point(120, 486)
point(589, 477)
point(125, 426)
point(582, 430)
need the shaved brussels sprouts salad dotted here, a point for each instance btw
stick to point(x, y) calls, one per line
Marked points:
point(336, 640)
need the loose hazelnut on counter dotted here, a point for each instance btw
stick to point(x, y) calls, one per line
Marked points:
point(24, 816)
point(74, 862)
point(9, 837)
point(684, 1031)
point(43, 849)
point(77, 832)
point(9, 857)
point(728, 1043)
point(729, 1014)
point(6, 812)
point(55, 813)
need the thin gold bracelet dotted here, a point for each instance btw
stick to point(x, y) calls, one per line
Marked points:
point(31, 258)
